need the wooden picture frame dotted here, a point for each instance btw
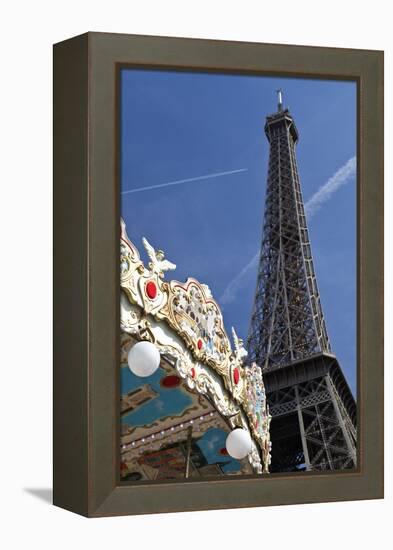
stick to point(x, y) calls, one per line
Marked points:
point(86, 273)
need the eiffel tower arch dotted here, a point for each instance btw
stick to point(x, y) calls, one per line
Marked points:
point(313, 411)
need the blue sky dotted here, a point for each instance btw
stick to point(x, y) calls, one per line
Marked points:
point(181, 125)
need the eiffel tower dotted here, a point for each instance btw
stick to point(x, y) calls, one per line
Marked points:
point(313, 411)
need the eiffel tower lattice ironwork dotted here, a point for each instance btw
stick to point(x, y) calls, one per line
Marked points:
point(313, 410)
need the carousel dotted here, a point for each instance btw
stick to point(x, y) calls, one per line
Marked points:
point(190, 406)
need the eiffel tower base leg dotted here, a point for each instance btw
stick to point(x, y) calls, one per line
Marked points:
point(313, 418)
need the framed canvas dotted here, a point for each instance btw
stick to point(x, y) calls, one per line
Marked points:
point(187, 153)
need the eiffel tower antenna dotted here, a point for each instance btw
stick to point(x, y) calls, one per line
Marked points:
point(313, 410)
point(279, 99)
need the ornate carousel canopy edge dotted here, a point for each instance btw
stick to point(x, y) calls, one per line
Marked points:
point(191, 312)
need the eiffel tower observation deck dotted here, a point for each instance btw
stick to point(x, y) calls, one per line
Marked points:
point(314, 412)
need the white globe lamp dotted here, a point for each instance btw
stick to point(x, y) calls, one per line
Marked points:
point(143, 359)
point(238, 443)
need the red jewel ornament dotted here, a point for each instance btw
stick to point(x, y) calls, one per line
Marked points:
point(170, 381)
point(151, 290)
point(192, 371)
point(236, 375)
point(199, 344)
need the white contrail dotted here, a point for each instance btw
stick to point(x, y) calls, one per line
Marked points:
point(188, 180)
point(339, 178)
point(230, 291)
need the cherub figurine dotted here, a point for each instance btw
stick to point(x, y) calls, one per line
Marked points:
point(157, 264)
point(240, 350)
